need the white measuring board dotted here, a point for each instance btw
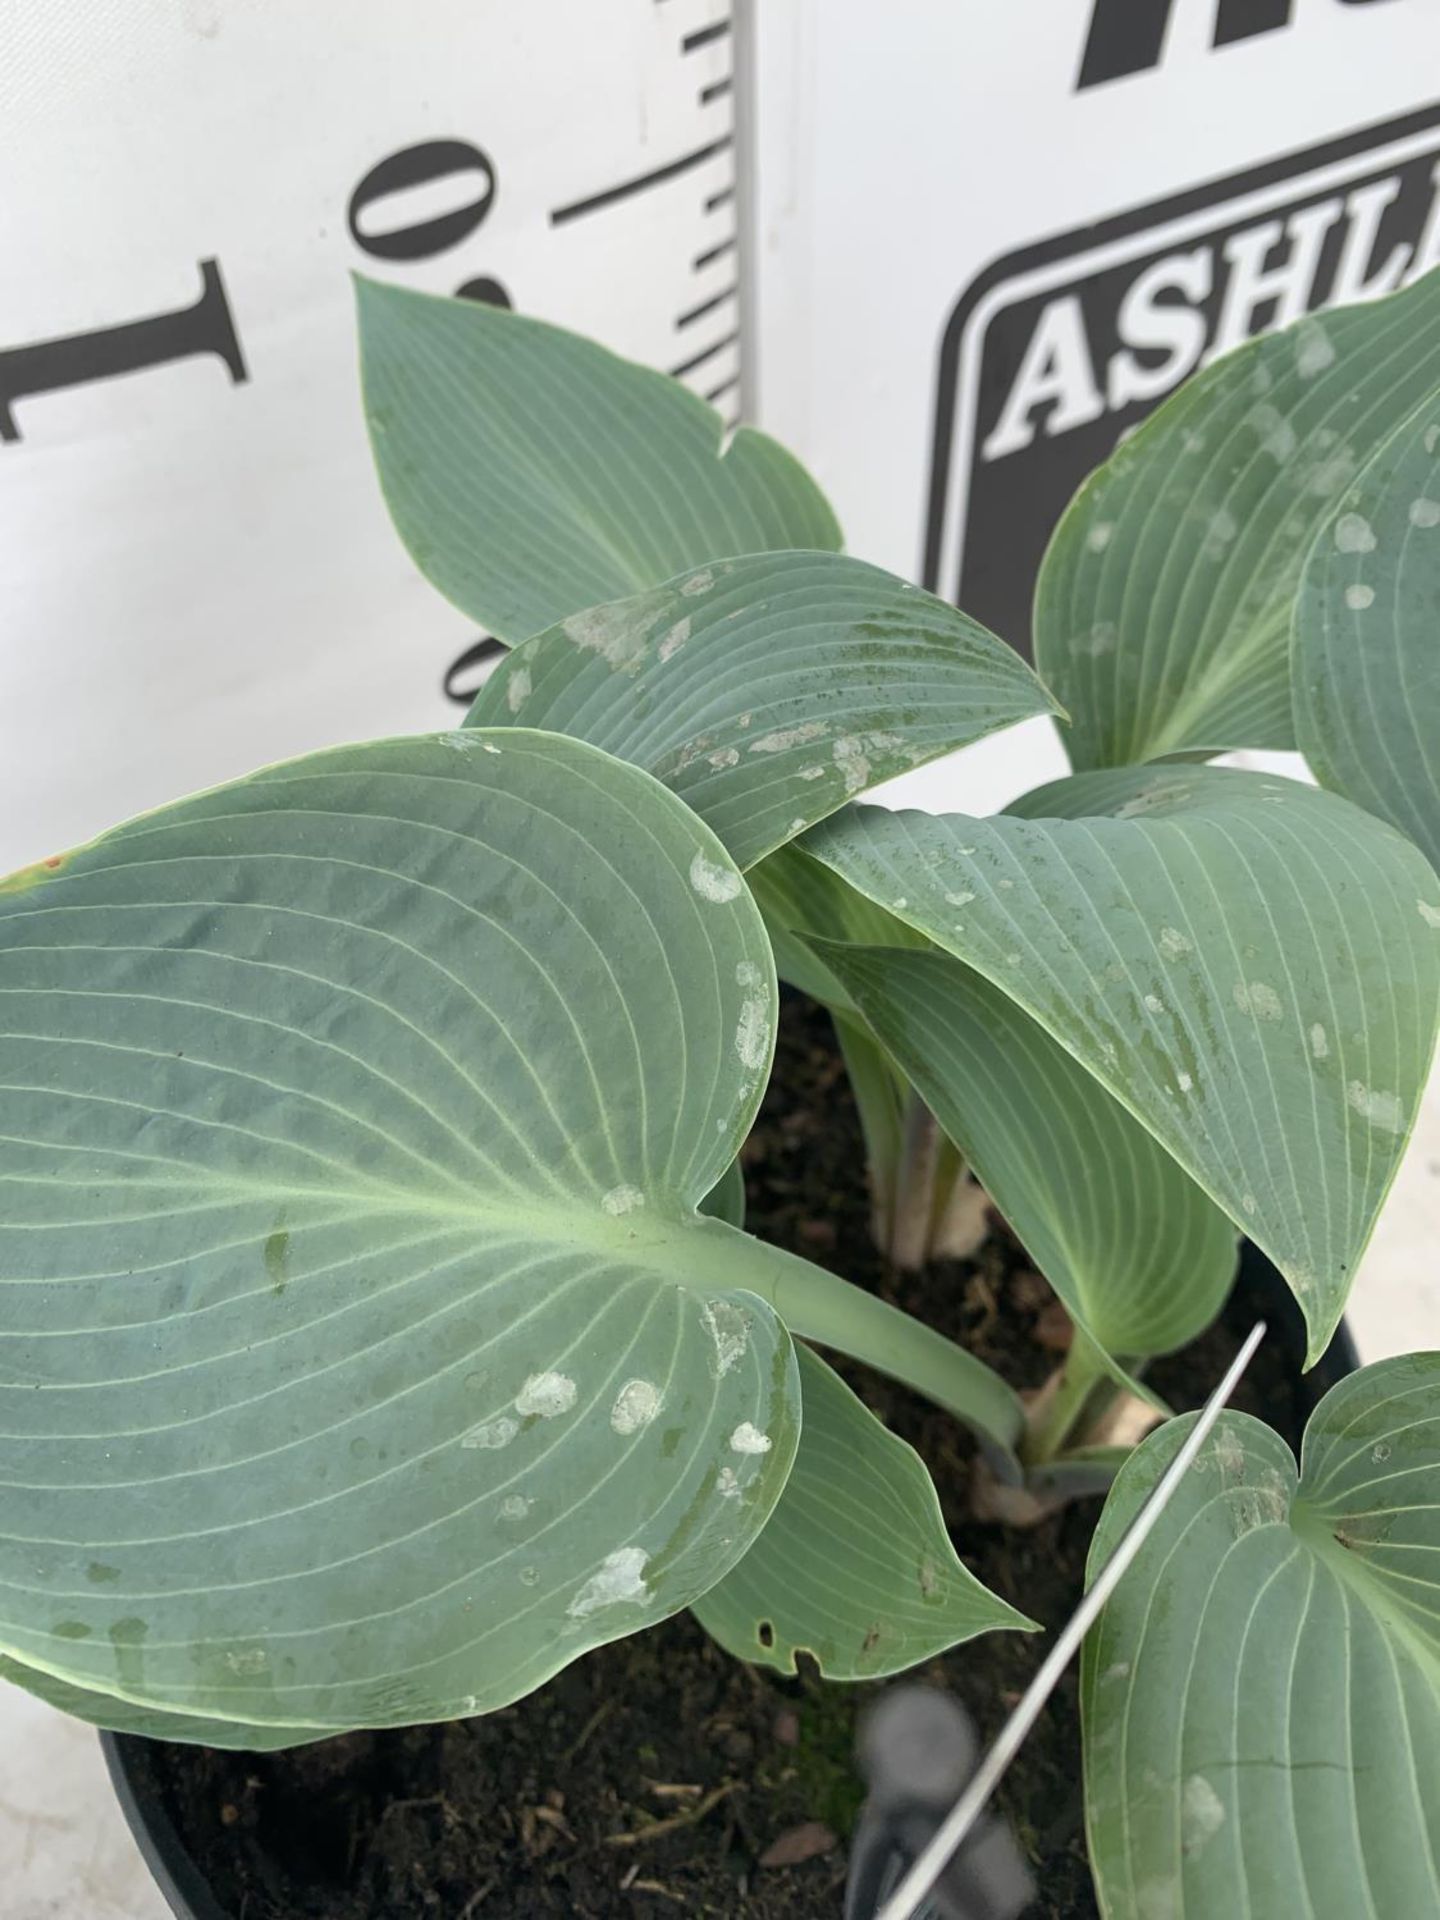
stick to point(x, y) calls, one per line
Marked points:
point(199, 575)
point(992, 237)
point(985, 239)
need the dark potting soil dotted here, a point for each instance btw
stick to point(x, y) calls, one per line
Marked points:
point(658, 1776)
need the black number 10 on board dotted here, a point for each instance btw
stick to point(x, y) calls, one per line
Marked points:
point(206, 325)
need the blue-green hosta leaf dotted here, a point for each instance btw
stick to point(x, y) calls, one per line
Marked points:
point(768, 690)
point(1248, 965)
point(104, 1710)
point(1366, 645)
point(1140, 1257)
point(800, 895)
point(532, 473)
point(1163, 606)
point(854, 1566)
point(1261, 1697)
point(726, 1199)
point(363, 1359)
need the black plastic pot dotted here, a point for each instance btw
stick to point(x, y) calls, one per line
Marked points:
point(1259, 1292)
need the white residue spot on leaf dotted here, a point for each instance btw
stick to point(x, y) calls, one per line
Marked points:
point(851, 757)
point(727, 1484)
point(1380, 1452)
point(700, 582)
point(749, 1439)
point(498, 1432)
point(1313, 350)
point(253, 1660)
point(1425, 512)
point(1430, 915)
point(517, 689)
point(1173, 944)
point(613, 632)
point(1155, 1899)
point(620, 1578)
point(622, 1199)
point(1333, 470)
point(1354, 534)
point(1319, 1042)
point(1201, 1814)
point(1275, 432)
point(811, 773)
point(752, 1031)
point(546, 1394)
point(960, 899)
point(724, 757)
point(636, 1405)
point(712, 881)
point(1154, 1004)
point(1098, 538)
point(853, 763)
point(728, 1326)
point(1221, 531)
point(784, 738)
point(1432, 439)
point(1100, 641)
point(515, 1506)
point(1118, 1670)
point(674, 640)
point(1184, 1082)
point(488, 746)
point(1257, 999)
point(1382, 1110)
point(1358, 596)
point(1229, 1454)
point(1248, 1202)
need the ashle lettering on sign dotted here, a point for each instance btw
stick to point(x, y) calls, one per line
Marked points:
point(1053, 352)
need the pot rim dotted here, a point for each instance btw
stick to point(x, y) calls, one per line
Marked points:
point(161, 1845)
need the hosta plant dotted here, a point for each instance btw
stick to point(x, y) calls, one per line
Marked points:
point(381, 1332)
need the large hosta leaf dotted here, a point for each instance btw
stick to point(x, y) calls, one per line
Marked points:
point(1250, 966)
point(155, 1723)
point(1261, 1697)
point(1162, 613)
point(854, 1566)
point(1138, 1254)
point(363, 1359)
point(532, 473)
point(1367, 638)
point(767, 690)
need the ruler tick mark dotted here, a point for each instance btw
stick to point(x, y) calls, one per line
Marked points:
point(720, 199)
point(560, 215)
point(724, 387)
point(716, 90)
point(713, 254)
point(707, 306)
point(705, 36)
point(689, 366)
